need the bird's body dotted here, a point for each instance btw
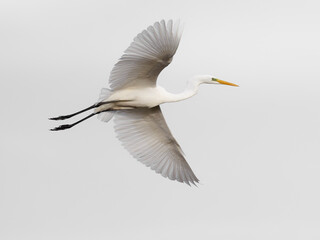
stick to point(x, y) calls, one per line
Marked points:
point(150, 96)
point(134, 98)
point(137, 97)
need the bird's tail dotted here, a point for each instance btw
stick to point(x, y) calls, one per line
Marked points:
point(104, 95)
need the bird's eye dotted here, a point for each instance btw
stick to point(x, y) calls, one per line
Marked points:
point(214, 79)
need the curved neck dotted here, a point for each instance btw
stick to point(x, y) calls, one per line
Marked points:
point(191, 90)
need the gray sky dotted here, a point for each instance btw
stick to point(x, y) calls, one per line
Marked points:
point(255, 148)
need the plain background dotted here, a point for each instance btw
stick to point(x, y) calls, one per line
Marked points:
point(255, 148)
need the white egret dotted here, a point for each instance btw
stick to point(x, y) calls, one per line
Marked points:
point(134, 98)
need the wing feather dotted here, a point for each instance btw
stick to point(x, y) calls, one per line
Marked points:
point(145, 134)
point(149, 53)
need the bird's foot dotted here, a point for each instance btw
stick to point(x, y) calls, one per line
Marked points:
point(60, 117)
point(62, 127)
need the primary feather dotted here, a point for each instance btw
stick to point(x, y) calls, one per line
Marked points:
point(145, 134)
point(149, 53)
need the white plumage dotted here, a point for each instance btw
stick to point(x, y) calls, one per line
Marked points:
point(150, 52)
point(145, 134)
point(134, 100)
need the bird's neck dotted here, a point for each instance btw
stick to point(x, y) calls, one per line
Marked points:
point(191, 90)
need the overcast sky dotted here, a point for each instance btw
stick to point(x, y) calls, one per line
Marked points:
point(254, 148)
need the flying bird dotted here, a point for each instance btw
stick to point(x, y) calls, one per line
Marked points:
point(134, 99)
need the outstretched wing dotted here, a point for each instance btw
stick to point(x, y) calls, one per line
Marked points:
point(150, 52)
point(145, 134)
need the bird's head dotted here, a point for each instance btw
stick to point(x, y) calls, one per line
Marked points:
point(212, 80)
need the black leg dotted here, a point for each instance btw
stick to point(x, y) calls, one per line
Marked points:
point(74, 114)
point(84, 110)
point(66, 126)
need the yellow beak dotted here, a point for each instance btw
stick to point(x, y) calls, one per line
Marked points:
point(226, 83)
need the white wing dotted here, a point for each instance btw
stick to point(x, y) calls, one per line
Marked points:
point(150, 52)
point(145, 134)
